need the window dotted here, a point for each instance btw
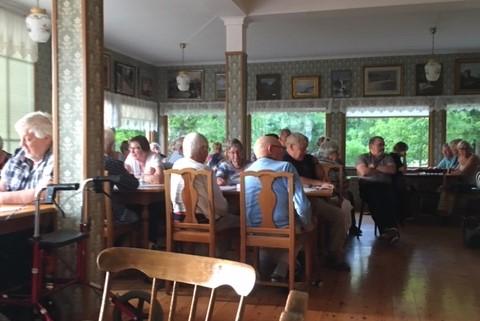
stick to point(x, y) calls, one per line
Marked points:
point(16, 97)
point(126, 134)
point(410, 127)
point(211, 125)
point(311, 124)
point(464, 124)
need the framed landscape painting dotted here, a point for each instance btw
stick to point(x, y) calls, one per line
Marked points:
point(269, 87)
point(305, 86)
point(195, 90)
point(146, 86)
point(220, 83)
point(125, 79)
point(467, 76)
point(423, 87)
point(342, 84)
point(382, 80)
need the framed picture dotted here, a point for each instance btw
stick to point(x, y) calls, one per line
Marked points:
point(342, 83)
point(107, 71)
point(146, 86)
point(125, 79)
point(269, 87)
point(195, 90)
point(423, 87)
point(305, 86)
point(220, 83)
point(382, 80)
point(467, 76)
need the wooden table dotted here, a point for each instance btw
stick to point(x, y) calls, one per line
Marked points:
point(15, 218)
point(143, 196)
point(423, 191)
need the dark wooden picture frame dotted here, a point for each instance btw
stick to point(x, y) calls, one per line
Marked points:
point(269, 87)
point(125, 79)
point(342, 83)
point(107, 71)
point(467, 76)
point(423, 87)
point(195, 91)
point(305, 87)
point(220, 85)
point(145, 87)
point(383, 80)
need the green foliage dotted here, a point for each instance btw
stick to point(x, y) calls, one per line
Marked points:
point(211, 126)
point(411, 130)
point(125, 134)
point(311, 124)
point(464, 124)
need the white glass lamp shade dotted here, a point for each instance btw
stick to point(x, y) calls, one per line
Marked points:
point(433, 70)
point(183, 81)
point(38, 25)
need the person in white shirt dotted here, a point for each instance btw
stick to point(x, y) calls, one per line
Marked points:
point(195, 152)
point(144, 164)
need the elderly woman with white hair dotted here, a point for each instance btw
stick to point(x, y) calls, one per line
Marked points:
point(31, 168)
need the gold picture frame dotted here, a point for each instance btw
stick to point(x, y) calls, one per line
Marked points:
point(383, 80)
point(305, 87)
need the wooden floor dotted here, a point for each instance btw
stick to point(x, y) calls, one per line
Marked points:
point(429, 275)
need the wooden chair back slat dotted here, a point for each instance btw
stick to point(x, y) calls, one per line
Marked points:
point(195, 270)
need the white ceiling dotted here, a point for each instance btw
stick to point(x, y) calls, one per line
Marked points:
point(151, 30)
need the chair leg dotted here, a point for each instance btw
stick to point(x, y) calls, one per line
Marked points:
point(360, 218)
point(291, 269)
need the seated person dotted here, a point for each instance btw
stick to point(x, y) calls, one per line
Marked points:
point(216, 157)
point(144, 164)
point(399, 156)
point(328, 153)
point(375, 169)
point(128, 182)
point(177, 153)
point(311, 173)
point(31, 168)
point(228, 171)
point(26, 172)
point(449, 160)
point(269, 153)
point(124, 150)
point(4, 156)
point(155, 147)
point(460, 179)
point(195, 151)
point(284, 133)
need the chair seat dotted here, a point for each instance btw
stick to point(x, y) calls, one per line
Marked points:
point(61, 238)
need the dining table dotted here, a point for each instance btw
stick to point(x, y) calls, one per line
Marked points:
point(16, 218)
point(143, 196)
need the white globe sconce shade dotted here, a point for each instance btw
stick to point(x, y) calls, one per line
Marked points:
point(38, 25)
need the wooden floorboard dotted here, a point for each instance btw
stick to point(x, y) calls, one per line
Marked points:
point(428, 276)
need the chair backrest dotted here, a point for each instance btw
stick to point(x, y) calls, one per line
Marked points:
point(196, 270)
point(329, 169)
point(266, 233)
point(190, 229)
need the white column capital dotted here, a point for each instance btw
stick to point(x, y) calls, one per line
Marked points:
point(235, 27)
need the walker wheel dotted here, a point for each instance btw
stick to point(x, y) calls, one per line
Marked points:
point(138, 302)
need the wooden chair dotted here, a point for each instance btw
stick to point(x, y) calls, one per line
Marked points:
point(190, 230)
point(296, 306)
point(112, 230)
point(198, 271)
point(267, 235)
point(328, 168)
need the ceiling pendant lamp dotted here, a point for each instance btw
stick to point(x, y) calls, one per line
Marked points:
point(433, 68)
point(183, 80)
point(38, 24)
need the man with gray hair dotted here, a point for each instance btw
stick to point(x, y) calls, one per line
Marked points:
point(195, 152)
point(31, 168)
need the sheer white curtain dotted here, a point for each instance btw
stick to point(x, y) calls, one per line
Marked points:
point(130, 113)
point(14, 39)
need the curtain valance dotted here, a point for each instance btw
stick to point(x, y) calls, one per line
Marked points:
point(14, 39)
point(171, 108)
point(130, 113)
